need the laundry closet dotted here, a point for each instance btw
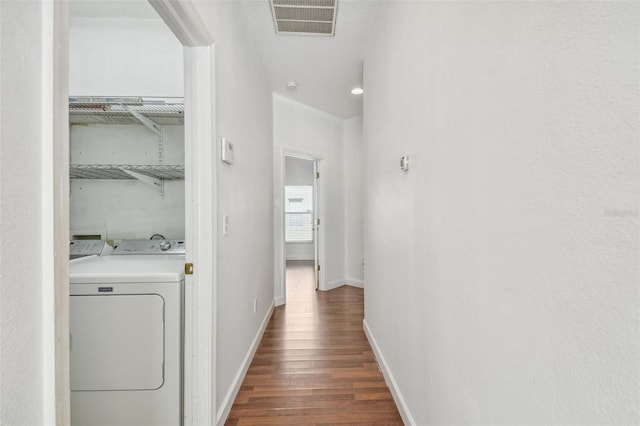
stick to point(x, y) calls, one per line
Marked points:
point(126, 308)
point(126, 127)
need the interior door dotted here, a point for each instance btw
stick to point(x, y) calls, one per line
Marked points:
point(316, 224)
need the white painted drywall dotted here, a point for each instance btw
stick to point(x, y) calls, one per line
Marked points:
point(124, 57)
point(299, 172)
point(126, 209)
point(303, 129)
point(354, 201)
point(245, 190)
point(23, 377)
point(502, 269)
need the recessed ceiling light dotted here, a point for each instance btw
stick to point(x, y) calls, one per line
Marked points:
point(292, 85)
point(357, 91)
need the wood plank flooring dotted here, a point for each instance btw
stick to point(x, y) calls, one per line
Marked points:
point(314, 365)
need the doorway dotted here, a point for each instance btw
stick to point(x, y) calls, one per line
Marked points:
point(300, 224)
point(200, 211)
point(299, 195)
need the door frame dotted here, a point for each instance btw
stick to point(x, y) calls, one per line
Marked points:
point(280, 249)
point(200, 211)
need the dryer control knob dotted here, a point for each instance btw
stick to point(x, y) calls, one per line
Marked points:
point(165, 245)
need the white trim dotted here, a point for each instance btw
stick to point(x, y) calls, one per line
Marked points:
point(184, 21)
point(407, 418)
point(279, 301)
point(200, 208)
point(201, 236)
point(299, 257)
point(56, 392)
point(332, 285)
point(354, 282)
point(227, 403)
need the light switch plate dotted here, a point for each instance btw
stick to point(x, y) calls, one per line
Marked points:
point(226, 226)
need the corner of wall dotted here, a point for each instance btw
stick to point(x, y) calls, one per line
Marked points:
point(403, 408)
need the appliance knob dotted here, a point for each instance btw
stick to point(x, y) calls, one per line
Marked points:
point(165, 245)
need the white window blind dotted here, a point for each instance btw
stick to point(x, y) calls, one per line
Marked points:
point(298, 213)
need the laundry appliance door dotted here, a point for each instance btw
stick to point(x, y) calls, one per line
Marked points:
point(117, 342)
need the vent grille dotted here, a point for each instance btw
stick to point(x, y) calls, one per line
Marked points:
point(316, 17)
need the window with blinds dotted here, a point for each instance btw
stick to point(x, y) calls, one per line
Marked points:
point(298, 214)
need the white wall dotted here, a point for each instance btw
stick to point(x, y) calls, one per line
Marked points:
point(124, 57)
point(502, 269)
point(354, 201)
point(299, 172)
point(23, 376)
point(300, 128)
point(245, 256)
point(126, 209)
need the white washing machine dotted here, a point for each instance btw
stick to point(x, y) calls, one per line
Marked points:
point(126, 325)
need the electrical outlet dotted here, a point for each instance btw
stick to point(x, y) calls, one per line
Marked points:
point(226, 226)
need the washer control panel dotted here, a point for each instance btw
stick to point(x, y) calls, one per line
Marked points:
point(149, 247)
point(82, 248)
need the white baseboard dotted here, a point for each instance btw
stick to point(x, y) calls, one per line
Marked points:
point(334, 284)
point(346, 281)
point(225, 407)
point(407, 418)
point(299, 257)
point(354, 282)
point(279, 301)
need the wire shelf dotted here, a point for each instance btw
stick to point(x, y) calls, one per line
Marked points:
point(117, 171)
point(113, 110)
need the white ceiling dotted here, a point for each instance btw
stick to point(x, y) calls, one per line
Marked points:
point(136, 9)
point(325, 68)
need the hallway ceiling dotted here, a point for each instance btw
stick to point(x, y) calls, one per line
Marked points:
point(326, 68)
point(134, 9)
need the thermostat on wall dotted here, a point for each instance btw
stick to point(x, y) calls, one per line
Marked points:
point(227, 151)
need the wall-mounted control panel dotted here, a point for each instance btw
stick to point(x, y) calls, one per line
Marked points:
point(226, 151)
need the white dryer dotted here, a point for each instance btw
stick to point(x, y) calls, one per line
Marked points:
point(126, 324)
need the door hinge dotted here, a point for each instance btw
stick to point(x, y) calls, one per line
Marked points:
point(318, 222)
point(317, 175)
point(188, 268)
point(318, 267)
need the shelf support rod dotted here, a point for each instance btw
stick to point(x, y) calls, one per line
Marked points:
point(156, 183)
point(151, 125)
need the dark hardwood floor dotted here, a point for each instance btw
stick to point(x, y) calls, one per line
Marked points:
point(314, 365)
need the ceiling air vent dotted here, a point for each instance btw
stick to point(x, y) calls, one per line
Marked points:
point(315, 17)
